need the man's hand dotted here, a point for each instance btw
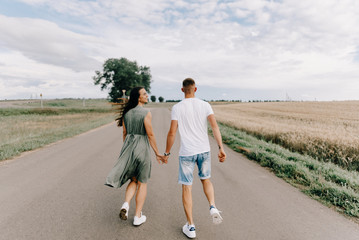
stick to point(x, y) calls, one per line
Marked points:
point(222, 155)
point(165, 159)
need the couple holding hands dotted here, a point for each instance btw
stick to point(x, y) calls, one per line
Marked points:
point(134, 163)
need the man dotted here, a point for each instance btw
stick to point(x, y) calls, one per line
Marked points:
point(190, 117)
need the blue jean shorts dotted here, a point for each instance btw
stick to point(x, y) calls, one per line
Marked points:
point(187, 164)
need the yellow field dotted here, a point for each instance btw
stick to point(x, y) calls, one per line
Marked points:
point(328, 131)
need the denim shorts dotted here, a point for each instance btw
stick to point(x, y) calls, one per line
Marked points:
point(187, 164)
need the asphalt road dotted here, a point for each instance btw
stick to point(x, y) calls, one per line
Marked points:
point(58, 192)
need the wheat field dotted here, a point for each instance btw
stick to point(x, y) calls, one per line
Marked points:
point(328, 131)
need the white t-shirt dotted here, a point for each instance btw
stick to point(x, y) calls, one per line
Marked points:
point(191, 114)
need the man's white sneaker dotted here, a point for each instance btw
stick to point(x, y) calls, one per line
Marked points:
point(216, 216)
point(124, 211)
point(189, 230)
point(137, 221)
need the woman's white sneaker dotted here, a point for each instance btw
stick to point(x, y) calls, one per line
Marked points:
point(189, 230)
point(137, 221)
point(216, 216)
point(124, 211)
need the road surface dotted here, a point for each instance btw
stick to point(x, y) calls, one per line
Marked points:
point(58, 192)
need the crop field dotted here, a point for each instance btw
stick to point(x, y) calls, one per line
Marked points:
point(327, 131)
point(25, 126)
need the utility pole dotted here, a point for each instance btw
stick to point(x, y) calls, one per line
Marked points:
point(287, 98)
point(41, 100)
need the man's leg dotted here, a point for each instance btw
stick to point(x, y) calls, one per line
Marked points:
point(204, 172)
point(185, 177)
point(208, 191)
point(187, 202)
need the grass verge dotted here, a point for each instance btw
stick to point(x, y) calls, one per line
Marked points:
point(27, 129)
point(323, 181)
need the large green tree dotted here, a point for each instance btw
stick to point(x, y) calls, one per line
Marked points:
point(122, 74)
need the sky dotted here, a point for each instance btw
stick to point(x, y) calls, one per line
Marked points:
point(234, 49)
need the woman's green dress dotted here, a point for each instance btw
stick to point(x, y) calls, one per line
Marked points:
point(134, 159)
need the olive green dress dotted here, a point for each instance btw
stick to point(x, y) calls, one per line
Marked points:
point(134, 159)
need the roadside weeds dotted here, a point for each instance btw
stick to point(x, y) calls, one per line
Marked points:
point(323, 181)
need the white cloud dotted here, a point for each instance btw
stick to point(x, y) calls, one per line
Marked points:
point(21, 77)
point(293, 45)
point(46, 42)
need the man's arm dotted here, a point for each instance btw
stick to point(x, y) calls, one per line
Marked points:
point(217, 135)
point(171, 136)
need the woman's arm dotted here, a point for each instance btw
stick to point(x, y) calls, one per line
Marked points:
point(151, 136)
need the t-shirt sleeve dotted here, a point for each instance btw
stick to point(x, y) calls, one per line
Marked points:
point(209, 109)
point(174, 113)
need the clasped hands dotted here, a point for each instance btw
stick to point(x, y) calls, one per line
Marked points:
point(161, 159)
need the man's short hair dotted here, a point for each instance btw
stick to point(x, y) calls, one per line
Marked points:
point(188, 82)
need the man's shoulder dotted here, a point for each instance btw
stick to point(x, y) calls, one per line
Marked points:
point(180, 103)
point(202, 102)
point(176, 105)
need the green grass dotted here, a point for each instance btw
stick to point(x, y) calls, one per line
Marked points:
point(325, 182)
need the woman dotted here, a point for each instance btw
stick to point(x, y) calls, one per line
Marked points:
point(134, 162)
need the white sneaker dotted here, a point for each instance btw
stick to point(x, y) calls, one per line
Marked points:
point(216, 216)
point(189, 230)
point(124, 211)
point(137, 221)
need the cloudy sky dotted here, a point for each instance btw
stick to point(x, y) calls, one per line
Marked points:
point(234, 49)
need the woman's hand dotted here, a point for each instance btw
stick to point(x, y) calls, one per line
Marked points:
point(161, 159)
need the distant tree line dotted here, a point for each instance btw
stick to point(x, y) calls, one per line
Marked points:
point(268, 101)
point(225, 100)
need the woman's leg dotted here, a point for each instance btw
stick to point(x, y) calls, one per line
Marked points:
point(140, 197)
point(131, 190)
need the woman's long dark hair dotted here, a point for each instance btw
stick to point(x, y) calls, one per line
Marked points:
point(132, 103)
